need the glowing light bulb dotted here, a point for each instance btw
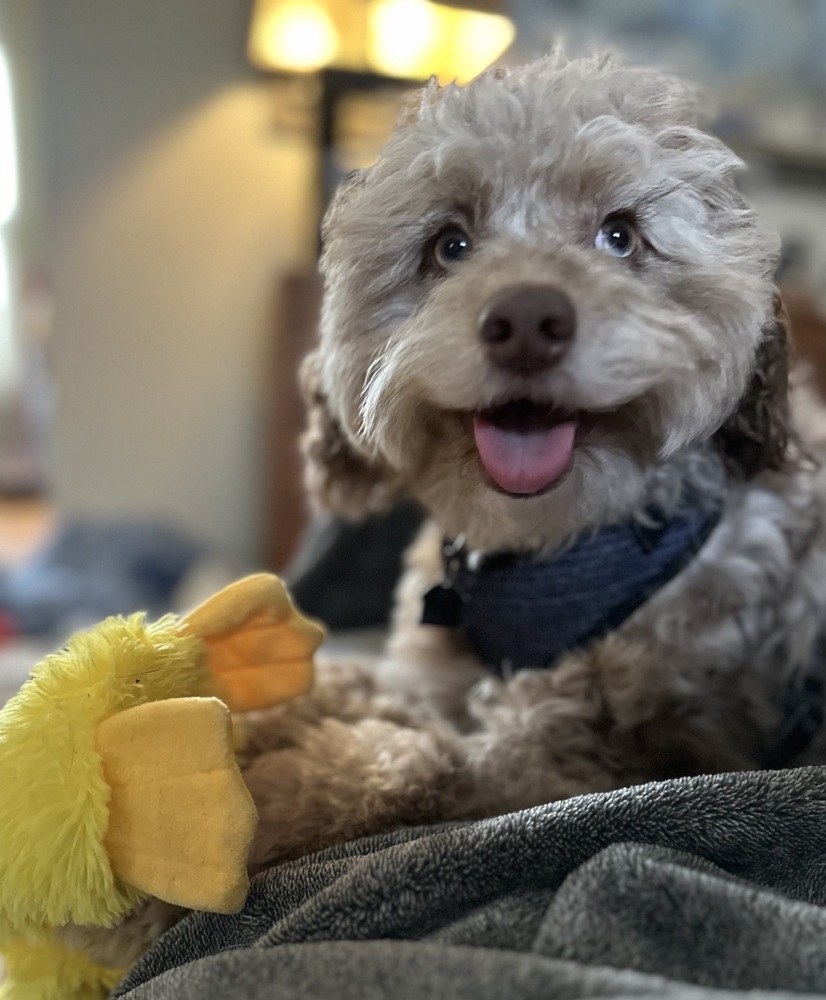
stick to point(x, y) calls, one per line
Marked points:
point(403, 33)
point(297, 35)
point(417, 39)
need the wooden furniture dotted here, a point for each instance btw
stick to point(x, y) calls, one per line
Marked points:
point(808, 331)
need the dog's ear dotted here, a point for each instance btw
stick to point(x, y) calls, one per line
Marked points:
point(758, 434)
point(337, 477)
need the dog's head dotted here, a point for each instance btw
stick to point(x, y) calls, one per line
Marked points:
point(546, 287)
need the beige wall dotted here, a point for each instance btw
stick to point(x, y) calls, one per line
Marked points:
point(171, 207)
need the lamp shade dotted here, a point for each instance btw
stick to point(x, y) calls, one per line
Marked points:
point(414, 39)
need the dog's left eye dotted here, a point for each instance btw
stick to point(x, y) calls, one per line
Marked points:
point(618, 237)
point(450, 246)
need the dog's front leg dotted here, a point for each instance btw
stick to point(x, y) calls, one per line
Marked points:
point(332, 767)
point(344, 779)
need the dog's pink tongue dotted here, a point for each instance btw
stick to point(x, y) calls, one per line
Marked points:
point(524, 461)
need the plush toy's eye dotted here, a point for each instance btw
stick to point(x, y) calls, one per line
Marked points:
point(451, 246)
point(618, 237)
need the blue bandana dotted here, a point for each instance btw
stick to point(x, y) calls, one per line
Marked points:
point(523, 610)
point(519, 610)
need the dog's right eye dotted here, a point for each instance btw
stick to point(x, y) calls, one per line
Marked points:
point(617, 236)
point(450, 246)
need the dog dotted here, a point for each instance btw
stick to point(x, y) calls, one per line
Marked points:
point(550, 316)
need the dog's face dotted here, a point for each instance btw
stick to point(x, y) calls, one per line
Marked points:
point(547, 286)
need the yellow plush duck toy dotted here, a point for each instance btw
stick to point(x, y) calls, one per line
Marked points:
point(119, 778)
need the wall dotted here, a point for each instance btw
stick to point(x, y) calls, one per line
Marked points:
point(171, 208)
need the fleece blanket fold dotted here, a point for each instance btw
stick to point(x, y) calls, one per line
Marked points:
point(695, 888)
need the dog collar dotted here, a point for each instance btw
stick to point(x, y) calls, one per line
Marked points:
point(520, 610)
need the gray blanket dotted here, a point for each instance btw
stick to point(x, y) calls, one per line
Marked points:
point(696, 888)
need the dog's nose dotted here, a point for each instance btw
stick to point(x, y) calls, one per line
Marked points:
point(527, 328)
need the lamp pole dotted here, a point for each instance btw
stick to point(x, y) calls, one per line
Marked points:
point(336, 84)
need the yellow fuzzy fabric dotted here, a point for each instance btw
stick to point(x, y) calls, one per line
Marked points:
point(52, 972)
point(54, 807)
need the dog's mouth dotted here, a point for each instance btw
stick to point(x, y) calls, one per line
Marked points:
point(525, 447)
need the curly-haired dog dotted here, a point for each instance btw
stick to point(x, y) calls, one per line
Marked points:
point(550, 316)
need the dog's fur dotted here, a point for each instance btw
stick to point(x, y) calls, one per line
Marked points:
point(680, 359)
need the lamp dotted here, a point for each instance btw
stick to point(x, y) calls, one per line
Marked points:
point(414, 39)
point(346, 46)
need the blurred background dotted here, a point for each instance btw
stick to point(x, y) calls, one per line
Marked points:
point(163, 166)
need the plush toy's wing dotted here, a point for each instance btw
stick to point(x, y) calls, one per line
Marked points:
point(260, 649)
point(181, 820)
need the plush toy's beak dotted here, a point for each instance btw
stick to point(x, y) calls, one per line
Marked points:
point(259, 647)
